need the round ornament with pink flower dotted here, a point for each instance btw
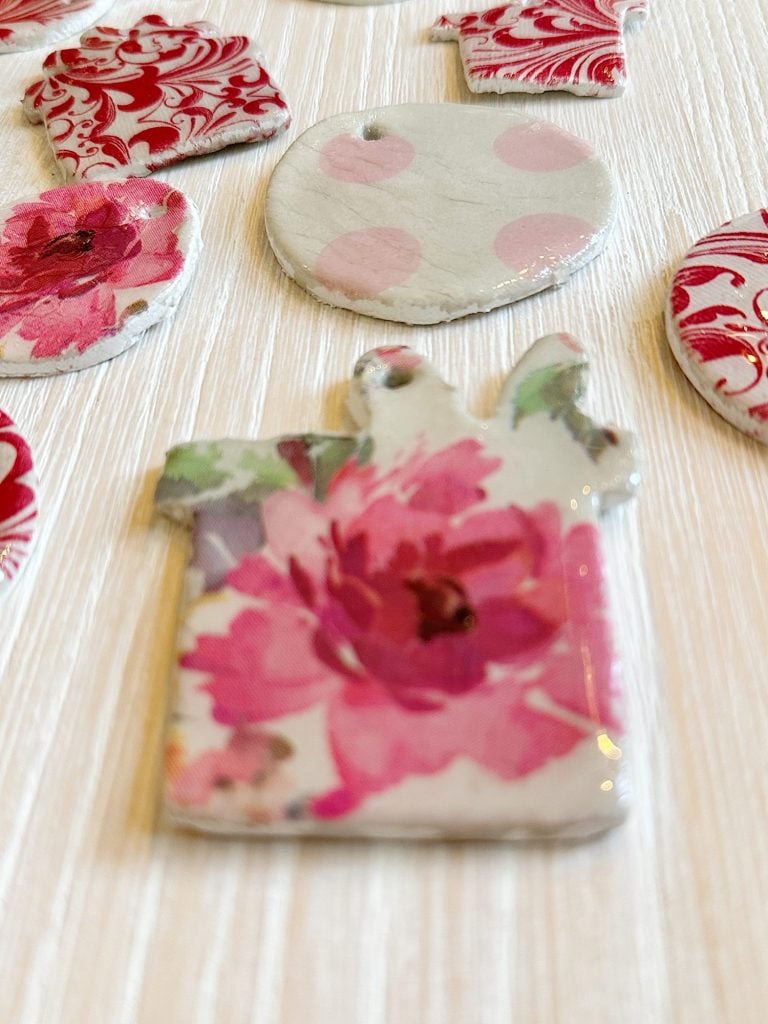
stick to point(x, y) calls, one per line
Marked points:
point(86, 269)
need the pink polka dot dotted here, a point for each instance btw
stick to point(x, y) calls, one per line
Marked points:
point(364, 263)
point(541, 241)
point(355, 159)
point(540, 147)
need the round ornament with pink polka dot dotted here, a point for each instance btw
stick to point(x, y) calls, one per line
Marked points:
point(422, 213)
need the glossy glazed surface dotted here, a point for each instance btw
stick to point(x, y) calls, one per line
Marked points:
point(403, 631)
point(423, 213)
point(717, 321)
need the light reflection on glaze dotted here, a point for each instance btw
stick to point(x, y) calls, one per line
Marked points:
point(717, 321)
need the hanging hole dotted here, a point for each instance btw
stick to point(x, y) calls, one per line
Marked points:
point(398, 377)
point(371, 132)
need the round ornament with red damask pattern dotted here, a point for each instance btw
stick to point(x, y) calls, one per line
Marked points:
point(422, 213)
point(86, 269)
point(18, 501)
point(717, 321)
point(29, 24)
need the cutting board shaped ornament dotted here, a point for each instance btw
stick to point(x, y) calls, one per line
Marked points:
point(130, 102)
point(29, 24)
point(18, 502)
point(541, 45)
point(403, 631)
point(86, 269)
point(427, 212)
point(717, 321)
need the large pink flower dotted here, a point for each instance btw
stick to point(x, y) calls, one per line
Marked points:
point(431, 625)
point(64, 255)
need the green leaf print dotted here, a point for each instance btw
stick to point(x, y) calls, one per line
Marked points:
point(556, 390)
point(270, 471)
point(328, 455)
point(197, 463)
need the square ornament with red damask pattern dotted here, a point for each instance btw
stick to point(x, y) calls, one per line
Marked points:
point(542, 45)
point(28, 24)
point(126, 103)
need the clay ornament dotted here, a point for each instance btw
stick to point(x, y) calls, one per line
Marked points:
point(18, 502)
point(540, 45)
point(717, 321)
point(403, 631)
point(86, 269)
point(426, 212)
point(129, 102)
point(29, 24)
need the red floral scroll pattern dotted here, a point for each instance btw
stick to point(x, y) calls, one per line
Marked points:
point(14, 12)
point(719, 308)
point(18, 505)
point(22, 20)
point(555, 44)
point(132, 102)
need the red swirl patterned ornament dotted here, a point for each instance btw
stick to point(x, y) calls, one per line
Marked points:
point(28, 24)
point(127, 103)
point(527, 46)
point(717, 321)
point(18, 501)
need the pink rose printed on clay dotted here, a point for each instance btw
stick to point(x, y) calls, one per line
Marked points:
point(18, 502)
point(29, 24)
point(717, 321)
point(130, 102)
point(403, 631)
point(86, 269)
point(426, 212)
point(541, 45)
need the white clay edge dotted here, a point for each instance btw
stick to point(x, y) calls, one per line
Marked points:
point(694, 371)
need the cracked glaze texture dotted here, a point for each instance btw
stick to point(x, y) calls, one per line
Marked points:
point(424, 213)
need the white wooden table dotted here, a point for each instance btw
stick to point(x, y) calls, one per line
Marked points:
point(106, 917)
